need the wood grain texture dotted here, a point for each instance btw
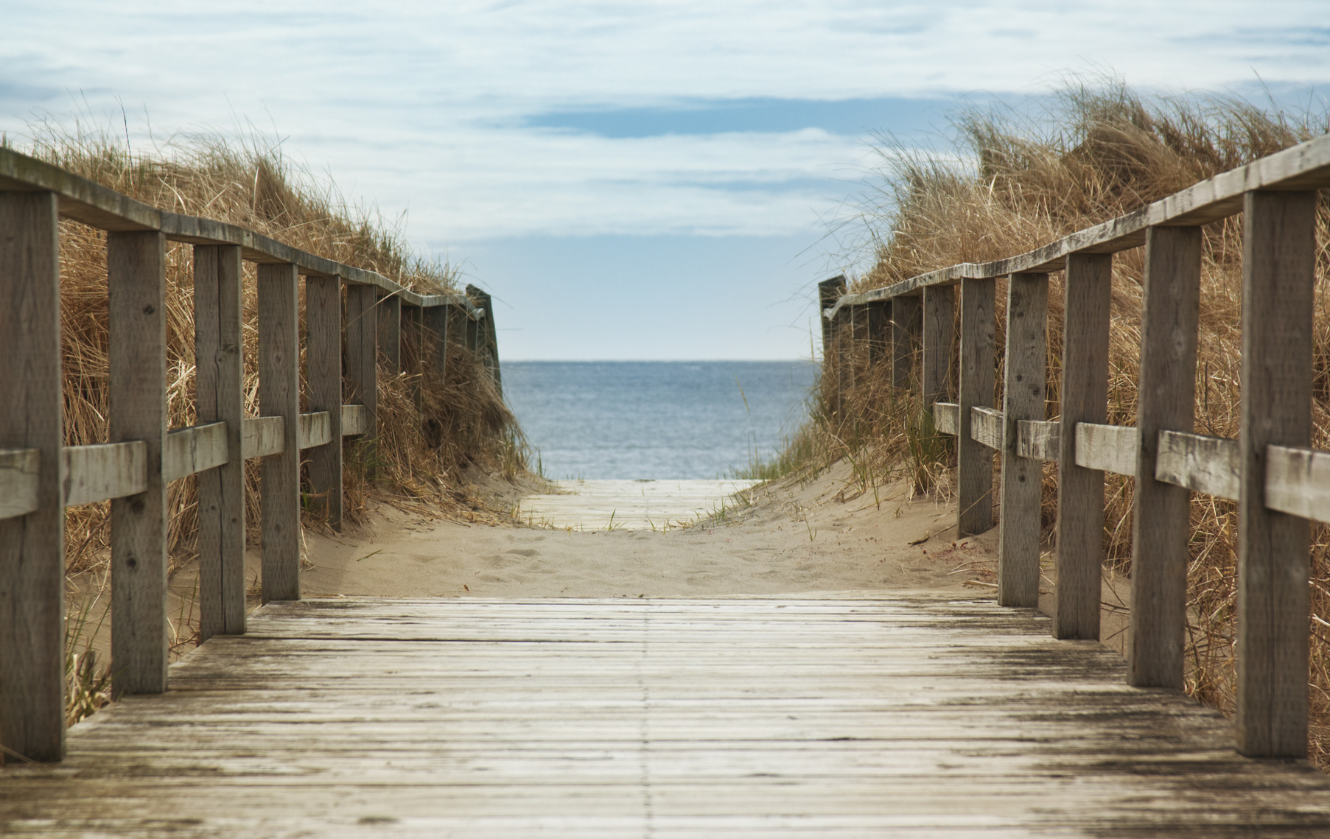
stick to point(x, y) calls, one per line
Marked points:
point(20, 484)
point(1278, 275)
point(1039, 439)
point(140, 632)
point(32, 569)
point(1210, 465)
point(361, 367)
point(938, 333)
point(323, 363)
point(279, 396)
point(974, 460)
point(1297, 482)
point(947, 417)
point(103, 471)
point(315, 429)
point(1161, 514)
point(1022, 478)
point(828, 292)
point(906, 314)
point(1108, 448)
point(879, 331)
point(263, 437)
point(869, 715)
point(986, 427)
point(355, 419)
point(219, 386)
point(389, 310)
point(1080, 522)
point(434, 367)
point(194, 449)
point(487, 340)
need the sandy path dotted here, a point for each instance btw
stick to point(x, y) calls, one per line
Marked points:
point(793, 539)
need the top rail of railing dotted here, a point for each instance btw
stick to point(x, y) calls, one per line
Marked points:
point(1301, 167)
point(105, 209)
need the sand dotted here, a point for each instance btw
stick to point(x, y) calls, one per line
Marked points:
point(792, 538)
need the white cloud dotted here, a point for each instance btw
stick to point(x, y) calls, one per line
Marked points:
point(421, 104)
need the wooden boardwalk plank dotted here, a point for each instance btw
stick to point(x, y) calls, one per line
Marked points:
point(914, 714)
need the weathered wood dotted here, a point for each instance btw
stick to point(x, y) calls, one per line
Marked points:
point(1297, 482)
point(140, 633)
point(974, 461)
point(1161, 515)
point(279, 396)
point(323, 363)
point(263, 437)
point(1278, 275)
point(986, 427)
point(879, 330)
point(938, 326)
point(1039, 439)
point(19, 482)
point(828, 292)
point(361, 367)
point(219, 385)
point(1080, 521)
point(32, 568)
point(412, 347)
point(355, 420)
point(389, 309)
point(1202, 464)
point(103, 471)
point(905, 327)
point(487, 341)
point(947, 417)
point(315, 429)
point(1107, 448)
point(195, 449)
point(1022, 477)
point(435, 342)
point(919, 714)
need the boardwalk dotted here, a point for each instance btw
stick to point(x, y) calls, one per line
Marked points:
point(895, 715)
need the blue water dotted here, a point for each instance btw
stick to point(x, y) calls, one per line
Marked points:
point(616, 420)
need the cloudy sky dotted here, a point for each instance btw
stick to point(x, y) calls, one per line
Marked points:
point(636, 180)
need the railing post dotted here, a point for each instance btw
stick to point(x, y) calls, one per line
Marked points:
point(938, 326)
point(434, 341)
point(978, 368)
point(1080, 522)
point(390, 331)
point(1166, 396)
point(362, 382)
point(905, 316)
point(879, 331)
point(279, 396)
point(219, 388)
point(487, 342)
point(828, 292)
point(136, 284)
point(323, 362)
point(1022, 477)
point(32, 567)
point(1278, 301)
point(413, 348)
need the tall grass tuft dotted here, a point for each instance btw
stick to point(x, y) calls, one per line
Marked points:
point(421, 448)
point(1023, 181)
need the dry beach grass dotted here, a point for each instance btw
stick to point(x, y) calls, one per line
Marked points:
point(1100, 152)
point(422, 452)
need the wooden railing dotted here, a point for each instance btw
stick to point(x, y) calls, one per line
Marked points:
point(1278, 482)
point(40, 477)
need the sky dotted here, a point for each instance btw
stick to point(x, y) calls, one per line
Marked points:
point(629, 180)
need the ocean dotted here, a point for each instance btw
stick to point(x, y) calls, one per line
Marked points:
point(625, 420)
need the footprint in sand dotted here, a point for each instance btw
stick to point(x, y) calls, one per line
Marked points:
point(526, 552)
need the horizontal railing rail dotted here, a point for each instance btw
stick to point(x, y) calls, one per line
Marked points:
point(1279, 482)
point(40, 476)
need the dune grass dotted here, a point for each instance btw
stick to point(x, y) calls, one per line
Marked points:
point(1024, 180)
point(421, 451)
